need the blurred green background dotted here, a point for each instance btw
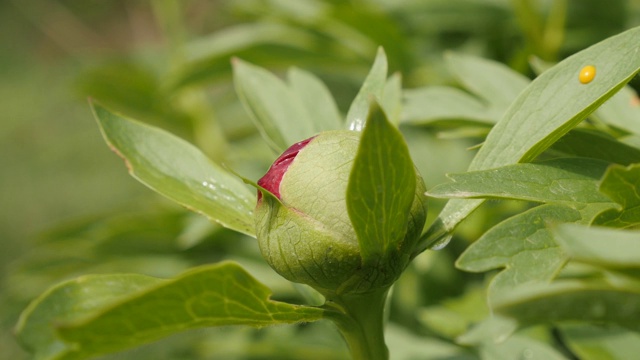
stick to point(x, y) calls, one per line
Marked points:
point(68, 205)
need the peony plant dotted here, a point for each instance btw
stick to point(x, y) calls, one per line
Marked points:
point(342, 210)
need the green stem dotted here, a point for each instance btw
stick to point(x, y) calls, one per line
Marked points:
point(360, 319)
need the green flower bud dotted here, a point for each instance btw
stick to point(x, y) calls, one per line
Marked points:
point(303, 227)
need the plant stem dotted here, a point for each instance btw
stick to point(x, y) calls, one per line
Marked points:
point(360, 319)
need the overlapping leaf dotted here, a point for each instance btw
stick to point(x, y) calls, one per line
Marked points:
point(523, 244)
point(573, 300)
point(596, 145)
point(622, 184)
point(547, 109)
point(99, 314)
point(591, 342)
point(610, 248)
point(567, 181)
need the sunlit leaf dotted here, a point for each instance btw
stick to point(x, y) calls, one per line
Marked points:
point(179, 171)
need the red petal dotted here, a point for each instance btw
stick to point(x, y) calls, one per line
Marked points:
point(271, 180)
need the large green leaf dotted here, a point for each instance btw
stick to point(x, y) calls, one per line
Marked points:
point(548, 108)
point(373, 87)
point(621, 184)
point(99, 314)
point(381, 187)
point(69, 301)
point(611, 248)
point(179, 171)
point(568, 181)
point(523, 245)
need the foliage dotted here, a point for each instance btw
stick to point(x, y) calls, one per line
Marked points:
point(559, 164)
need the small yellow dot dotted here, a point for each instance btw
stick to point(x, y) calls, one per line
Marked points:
point(587, 74)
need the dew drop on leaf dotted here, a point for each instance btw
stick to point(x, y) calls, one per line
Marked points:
point(444, 241)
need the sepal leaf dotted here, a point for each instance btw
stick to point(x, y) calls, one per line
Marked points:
point(381, 186)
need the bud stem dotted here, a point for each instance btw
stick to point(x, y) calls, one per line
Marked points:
point(360, 318)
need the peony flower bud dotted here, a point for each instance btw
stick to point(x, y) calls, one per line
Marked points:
point(303, 227)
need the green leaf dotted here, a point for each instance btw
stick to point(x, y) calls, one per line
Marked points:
point(179, 171)
point(207, 58)
point(373, 86)
point(452, 317)
point(405, 344)
point(519, 347)
point(597, 145)
point(106, 313)
point(433, 104)
point(322, 110)
point(622, 111)
point(547, 109)
point(277, 111)
point(568, 181)
point(523, 245)
point(70, 301)
point(391, 101)
point(381, 187)
point(610, 248)
point(621, 184)
point(573, 300)
point(490, 80)
point(600, 343)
